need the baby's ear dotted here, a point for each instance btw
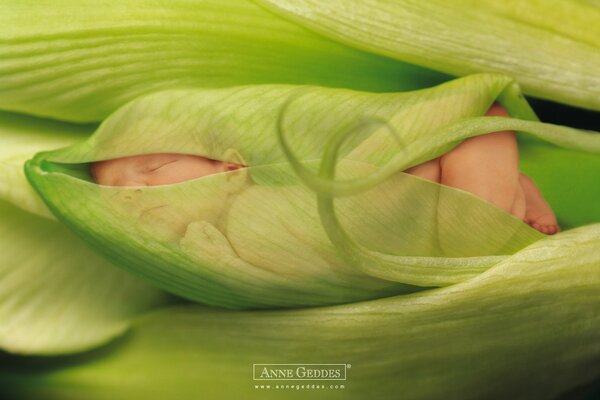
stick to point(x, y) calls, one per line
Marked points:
point(234, 159)
point(232, 167)
point(235, 162)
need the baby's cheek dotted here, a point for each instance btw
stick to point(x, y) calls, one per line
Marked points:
point(195, 167)
point(160, 177)
point(118, 172)
point(104, 174)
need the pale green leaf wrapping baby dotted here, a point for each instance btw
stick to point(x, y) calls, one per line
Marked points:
point(255, 237)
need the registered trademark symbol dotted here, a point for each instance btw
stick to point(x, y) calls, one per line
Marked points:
point(348, 365)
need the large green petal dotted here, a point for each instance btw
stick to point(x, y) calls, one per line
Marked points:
point(80, 60)
point(527, 328)
point(551, 47)
point(56, 294)
point(253, 237)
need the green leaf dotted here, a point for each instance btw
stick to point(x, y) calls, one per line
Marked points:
point(56, 295)
point(254, 237)
point(551, 47)
point(526, 328)
point(77, 60)
point(21, 138)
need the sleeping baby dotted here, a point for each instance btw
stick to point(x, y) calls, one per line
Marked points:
point(486, 166)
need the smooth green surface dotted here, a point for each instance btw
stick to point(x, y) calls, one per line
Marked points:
point(80, 60)
point(56, 295)
point(527, 328)
point(567, 178)
point(551, 47)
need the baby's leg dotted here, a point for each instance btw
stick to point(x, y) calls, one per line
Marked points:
point(487, 166)
point(429, 170)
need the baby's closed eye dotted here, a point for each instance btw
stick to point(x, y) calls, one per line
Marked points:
point(156, 165)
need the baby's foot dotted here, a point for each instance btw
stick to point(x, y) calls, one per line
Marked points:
point(487, 166)
point(538, 213)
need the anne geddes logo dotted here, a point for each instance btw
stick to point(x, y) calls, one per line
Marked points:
point(288, 376)
point(298, 372)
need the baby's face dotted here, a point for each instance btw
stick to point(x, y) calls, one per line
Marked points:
point(156, 169)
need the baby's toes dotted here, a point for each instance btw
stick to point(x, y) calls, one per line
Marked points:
point(545, 223)
point(552, 229)
point(546, 229)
